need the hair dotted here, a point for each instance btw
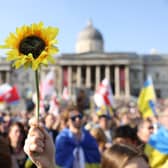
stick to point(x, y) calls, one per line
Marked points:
point(19, 124)
point(22, 130)
point(162, 109)
point(118, 155)
point(64, 115)
point(100, 137)
point(5, 157)
point(72, 108)
point(141, 122)
point(98, 133)
point(125, 132)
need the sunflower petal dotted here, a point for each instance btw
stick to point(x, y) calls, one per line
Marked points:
point(53, 32)
point(12, 55)
point(51, 59)
point(4, 46)
point(35, 65)
point(18, 64)
point(12, 41)
point(45, 62)
point(27, 65)
point(53, 50)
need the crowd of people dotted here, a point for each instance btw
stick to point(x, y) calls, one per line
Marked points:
point(77, 137)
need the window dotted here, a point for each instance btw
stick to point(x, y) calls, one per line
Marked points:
point(157, 76)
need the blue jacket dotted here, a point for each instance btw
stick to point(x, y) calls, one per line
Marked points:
point(66, 143)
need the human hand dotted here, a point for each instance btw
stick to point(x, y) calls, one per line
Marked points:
point(39, 146)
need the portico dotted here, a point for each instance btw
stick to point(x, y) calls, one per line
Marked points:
point(80, 73)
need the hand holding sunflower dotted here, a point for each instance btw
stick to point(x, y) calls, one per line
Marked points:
point(31, 46)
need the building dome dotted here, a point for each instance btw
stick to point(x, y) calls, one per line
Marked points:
point(89, 40)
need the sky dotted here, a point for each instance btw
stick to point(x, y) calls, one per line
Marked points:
point(126, 25)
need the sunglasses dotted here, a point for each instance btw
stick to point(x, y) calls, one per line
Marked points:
point(150, 127)
point(74, 117)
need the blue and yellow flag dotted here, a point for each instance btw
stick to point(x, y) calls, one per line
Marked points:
point(105, 110)
point(157, 149)
point(66, 145)
point(147, 99)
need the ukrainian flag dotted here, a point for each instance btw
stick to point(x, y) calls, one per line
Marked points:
point(157, 149)
point(66, 144)
point(105, 110)
point(147, 99)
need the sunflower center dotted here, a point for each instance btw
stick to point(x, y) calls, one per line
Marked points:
point(33, 45)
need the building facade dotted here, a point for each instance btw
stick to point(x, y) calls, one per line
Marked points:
point(84, 69)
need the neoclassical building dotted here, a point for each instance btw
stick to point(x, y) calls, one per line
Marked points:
point(85, 68)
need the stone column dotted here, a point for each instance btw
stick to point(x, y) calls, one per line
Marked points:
point(127, 82)
point(88, 77)
point(42, 75)
point(7, 77)
point(78, 76)
point(70, 79)
point(107, 72)
point(97, 76)
point(0, 77)
point(117, 81)
point(60, 80)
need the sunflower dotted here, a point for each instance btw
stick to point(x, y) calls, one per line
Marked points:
point(31, 46)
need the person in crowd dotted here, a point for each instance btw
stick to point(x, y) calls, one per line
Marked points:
point(144, 131)
point(5, 156)
point(123, 156)
point(157, 147)
point(49, 123)
point(40, 148)
point(92, 120)
point(3, 130)
point(82, 101)
point(5, 121)
point(39, 145)
point(125, 134)
point(75, 147)
point(64, 116)
point(124, 116)
point(104, 120)
point(100, 137)
point(16, 137)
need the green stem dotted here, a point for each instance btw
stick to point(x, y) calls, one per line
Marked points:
point(38, 95)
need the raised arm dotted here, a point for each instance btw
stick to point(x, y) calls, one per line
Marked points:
point(39, 146)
